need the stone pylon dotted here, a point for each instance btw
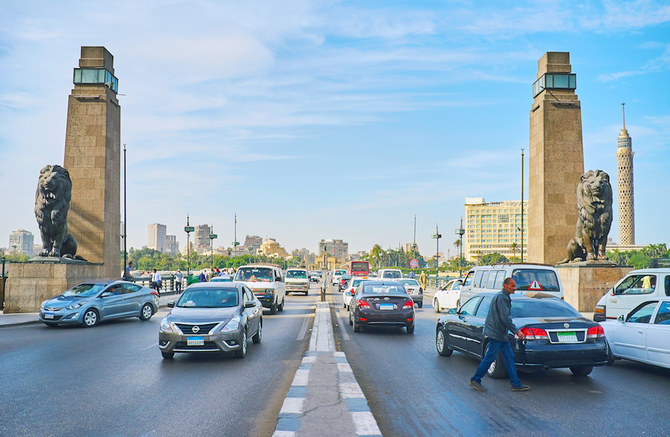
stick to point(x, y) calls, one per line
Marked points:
point(92, 157)
point(556, 159)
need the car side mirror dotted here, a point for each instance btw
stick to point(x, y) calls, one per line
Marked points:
point(106, 294)
point(620, 318)
point(170, 304)
point(249, 305)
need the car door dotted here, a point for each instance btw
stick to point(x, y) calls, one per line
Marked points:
point(475, 327)
point(253, 314)
point(658, 336)
point(459, 331)
point(111, 301)
point(133, 298)
point(629, 339)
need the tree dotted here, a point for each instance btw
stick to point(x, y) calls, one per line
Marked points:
point(493, 258)
point(514, 248)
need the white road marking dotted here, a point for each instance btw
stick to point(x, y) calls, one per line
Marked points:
point(305, 325)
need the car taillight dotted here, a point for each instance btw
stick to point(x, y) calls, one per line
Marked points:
point(408, 305)
point(363, 303)
point(595, 332)
point(532, 333)
point(154, 292)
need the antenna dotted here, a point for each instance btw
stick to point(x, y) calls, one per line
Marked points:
point(623, 114)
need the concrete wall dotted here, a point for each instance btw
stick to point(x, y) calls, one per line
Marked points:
point(584, 284)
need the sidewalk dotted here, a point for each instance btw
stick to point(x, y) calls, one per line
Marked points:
point(17, 319)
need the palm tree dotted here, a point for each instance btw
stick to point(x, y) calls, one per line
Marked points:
point(514, 247)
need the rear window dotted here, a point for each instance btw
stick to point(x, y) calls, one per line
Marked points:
point(545, 307)
point(397, 290)
point(391, 274)
point(536, 280)
point(340, 272)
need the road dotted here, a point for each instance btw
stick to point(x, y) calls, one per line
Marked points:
point(111, 380)
point(414, 391)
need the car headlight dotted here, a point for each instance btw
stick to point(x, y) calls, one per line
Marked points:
point(167, 326)
point(74, 306)
point(232, 325)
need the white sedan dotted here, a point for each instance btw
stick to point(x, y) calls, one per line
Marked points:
point(643, 335)
point(349, 290)
point(448, 296)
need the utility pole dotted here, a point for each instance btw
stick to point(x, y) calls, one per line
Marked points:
point(522, 204)
point(437, 237)
point(125, 217)
point(188, 229)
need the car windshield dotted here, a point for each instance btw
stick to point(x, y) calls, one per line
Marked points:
point(84, 290)
point(536, 280)
point(392, 275)
point(340, 272)
point(296, 274)
point(254, 274)
point(208, 298)
point(545, 307)
point(409, 281)
point(221, 279)
point(397, 290)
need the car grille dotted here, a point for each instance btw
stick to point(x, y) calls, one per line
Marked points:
point(209, 345)
point(203, 328)
point(56, 317)
point(53, 308)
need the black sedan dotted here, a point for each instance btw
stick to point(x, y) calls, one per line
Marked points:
point(555, 335)
point(381, 303)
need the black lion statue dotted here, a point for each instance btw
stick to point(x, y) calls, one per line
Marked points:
point(52, 202)
point(594, 204)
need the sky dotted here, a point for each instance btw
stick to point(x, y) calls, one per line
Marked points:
point(329, 119)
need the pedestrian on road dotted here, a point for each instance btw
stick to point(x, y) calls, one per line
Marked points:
point(178, 277)
point(202, 277)
point(423, 280)
point(498, 323)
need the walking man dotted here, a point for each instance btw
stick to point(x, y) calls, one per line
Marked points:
point(156, 279)
point(178, 277)
point(498, 323)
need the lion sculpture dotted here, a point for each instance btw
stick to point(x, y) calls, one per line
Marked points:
point(52, 202)
point(594, 204)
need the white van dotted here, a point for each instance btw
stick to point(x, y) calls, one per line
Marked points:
point(266, 281)
point(528, 277)
point(636, 287)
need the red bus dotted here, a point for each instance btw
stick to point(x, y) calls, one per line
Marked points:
point(359, 268)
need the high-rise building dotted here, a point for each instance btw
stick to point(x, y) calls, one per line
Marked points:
point(156, 237)
point(493, 227)
point(624, 157)
point(21, 241)
point(337, 248)
point(202, 243)
point(171, 244)
point(253, 243)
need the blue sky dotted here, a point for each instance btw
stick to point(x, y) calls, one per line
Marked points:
point(332, 119)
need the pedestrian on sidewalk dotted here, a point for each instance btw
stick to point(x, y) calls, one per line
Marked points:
point(156, 279)
point(178, 277)
point(498, 323)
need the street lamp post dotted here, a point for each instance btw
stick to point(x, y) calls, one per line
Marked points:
point(437, 237)
point(125, 218)
point(212, 236)
point(188, 229)
point(460, 231)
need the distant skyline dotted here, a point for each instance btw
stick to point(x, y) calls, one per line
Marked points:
point(332, 119)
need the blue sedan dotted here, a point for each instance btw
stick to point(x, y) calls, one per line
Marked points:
point(91, 302)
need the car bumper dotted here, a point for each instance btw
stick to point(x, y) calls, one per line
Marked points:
point(219, 342)
point(297, 288)
point(404, 318)
point(563, 355)
point(63, 317)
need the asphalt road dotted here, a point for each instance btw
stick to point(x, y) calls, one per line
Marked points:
point(414, 391)
point(111, 380)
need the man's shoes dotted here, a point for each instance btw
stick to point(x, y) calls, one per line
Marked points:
point(478, 385)
point(521, 387)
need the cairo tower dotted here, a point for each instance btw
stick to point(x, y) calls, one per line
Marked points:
point(624, 155)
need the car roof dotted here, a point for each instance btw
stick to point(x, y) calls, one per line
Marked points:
point(270, 265)
point(216, 284)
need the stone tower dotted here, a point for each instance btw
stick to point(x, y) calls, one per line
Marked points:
point(624, 157)
point(92, 157)
point(556, 159)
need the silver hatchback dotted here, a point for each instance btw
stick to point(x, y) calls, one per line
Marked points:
point(90, 302)
point(212, 317)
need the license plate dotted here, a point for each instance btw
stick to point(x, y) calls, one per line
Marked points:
point(48, 315)
point(567, 337)
point(385, 306)
point(195, 341)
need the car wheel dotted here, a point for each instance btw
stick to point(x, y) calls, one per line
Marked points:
point(90, 318)
point(242, 351)
point(441, 343)
point(51, 324)
point(610, 357)
point(167, 355)
point(356, 326)
point(410, 328)
point(420, 304)
point(350, 322)
point(497, 368)
point(259, 335)
point(273, 308)
point(146, 312)
point(581, 370)
point(436, 305)
point(306, 293)
point(281, 306)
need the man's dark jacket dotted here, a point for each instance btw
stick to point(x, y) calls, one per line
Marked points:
point(499, 318)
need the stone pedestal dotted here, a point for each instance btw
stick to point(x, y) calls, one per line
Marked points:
point(30, 284)
point(584, 283)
